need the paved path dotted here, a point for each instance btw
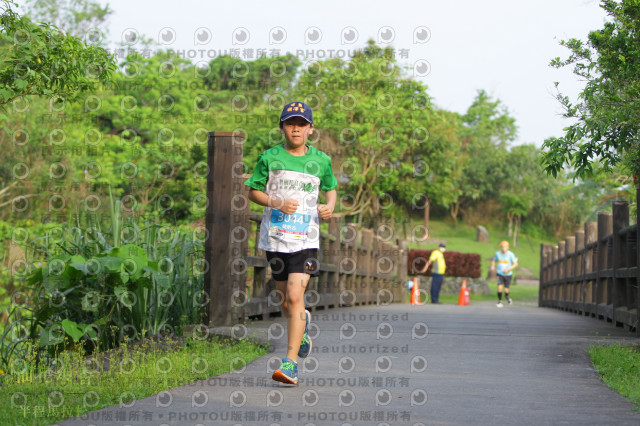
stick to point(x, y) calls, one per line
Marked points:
point(410, 365)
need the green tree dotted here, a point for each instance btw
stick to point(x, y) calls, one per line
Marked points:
point(38, 59)
point(378, 116)
point(485, 132)
point(79, 18)
point(605, 130)
point(520, 186)
point(515, 206)
point(434, 161)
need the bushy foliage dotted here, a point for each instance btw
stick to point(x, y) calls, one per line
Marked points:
point(458, 264)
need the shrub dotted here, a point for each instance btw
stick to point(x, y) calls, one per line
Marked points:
point(98, 288)
point(458, 264)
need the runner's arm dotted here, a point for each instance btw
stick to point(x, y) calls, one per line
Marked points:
point(286, 206)
point(326, 210)
point(512, 267)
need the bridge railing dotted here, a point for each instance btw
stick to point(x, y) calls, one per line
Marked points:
point(595, 272)
point(357, 267)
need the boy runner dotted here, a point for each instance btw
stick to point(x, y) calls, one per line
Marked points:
point(286, 180)
point(507, 262)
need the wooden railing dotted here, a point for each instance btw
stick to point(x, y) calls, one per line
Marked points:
point(595, 272)
point(357, 267)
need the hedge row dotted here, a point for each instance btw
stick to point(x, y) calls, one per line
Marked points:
point(458, 264)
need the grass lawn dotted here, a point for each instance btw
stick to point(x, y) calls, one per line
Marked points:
point(619, 367)
point(463, 239)
point(132, 372)
point(520, 294)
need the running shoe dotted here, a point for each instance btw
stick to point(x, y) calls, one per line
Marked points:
point(510, 300)
point(287, 373)
point(499, 305)
point(306, 344)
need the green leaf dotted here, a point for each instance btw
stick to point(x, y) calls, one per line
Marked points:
point(162, 281)
point(79, 266)
point(53, 283)
point(110, 263)
point(102, 321)
point(88, 303)
point(73, 329)
point(134, 260)
point(35, 277)
point(119, 291)
point(20, 84)
point(46, 337)
point(91, 332)
point(144, 282)
point(6, 94)
point(77, 258)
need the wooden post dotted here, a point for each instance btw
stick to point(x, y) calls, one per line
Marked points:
point(403, 272)
point(578, 273)
point(222, 154)
point(630, 262)
point(545, 261)
point(240, 232)
point(570, 248)
point(396, 255)
point(590, 262)
point(562, 269)
point(619, 290)
point(637, 255)
point(333, 281)
point(597, 271)
point(367, 266)
point(351, 253)
point(541, 275)
point(604, 225)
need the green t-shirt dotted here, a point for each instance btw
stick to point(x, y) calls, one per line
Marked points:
point(282, 175)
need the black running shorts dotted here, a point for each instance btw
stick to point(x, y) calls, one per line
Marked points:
point(505, 280)
point(303, 261)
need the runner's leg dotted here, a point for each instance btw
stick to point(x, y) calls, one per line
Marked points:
point(295, 306)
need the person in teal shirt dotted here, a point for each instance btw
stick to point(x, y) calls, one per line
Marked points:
point(507, 262)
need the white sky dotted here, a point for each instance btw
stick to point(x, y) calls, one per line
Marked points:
point(502, 46)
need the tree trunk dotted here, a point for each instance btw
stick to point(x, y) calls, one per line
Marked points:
point(454, 210)
point(404, 230)
point(510, 217)
point(515, 233)
point(426, 216)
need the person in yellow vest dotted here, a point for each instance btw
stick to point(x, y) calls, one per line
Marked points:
point(437, 274)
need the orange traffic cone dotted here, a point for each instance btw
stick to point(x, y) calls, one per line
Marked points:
point(415, 292)
point(463, 299)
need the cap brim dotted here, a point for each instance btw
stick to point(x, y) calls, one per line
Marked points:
point(296, 115)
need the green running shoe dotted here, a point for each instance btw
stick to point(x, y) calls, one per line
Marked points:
point(287, 373)
point(306, 344)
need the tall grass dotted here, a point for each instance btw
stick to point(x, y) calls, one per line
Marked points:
point(98, 284)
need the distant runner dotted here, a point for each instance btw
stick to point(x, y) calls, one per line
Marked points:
point(507, 262)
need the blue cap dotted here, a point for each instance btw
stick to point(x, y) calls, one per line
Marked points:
point(297, 109)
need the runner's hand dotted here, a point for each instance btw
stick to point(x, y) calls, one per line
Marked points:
point(324, 211)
